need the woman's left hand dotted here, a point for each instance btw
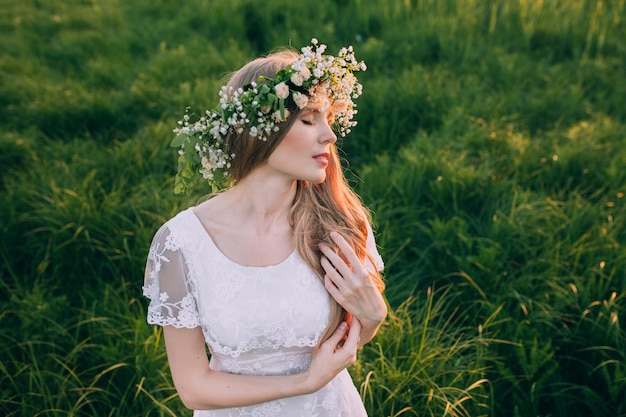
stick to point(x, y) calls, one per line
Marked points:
point(348, 282)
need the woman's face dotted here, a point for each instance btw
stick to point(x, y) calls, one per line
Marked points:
point(304, 152)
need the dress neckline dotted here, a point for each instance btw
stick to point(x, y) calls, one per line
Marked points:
point(209, 238)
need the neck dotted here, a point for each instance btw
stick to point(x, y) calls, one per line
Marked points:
point(264, 202)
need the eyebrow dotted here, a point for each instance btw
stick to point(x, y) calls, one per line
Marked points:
point(330, 113)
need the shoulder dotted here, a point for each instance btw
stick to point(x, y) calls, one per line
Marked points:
point(177, 222)
point(175, 230)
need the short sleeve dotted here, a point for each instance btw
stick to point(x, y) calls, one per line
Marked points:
point(379, 265)
point(167, 284)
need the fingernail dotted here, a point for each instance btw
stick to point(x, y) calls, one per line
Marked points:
point(343, 325)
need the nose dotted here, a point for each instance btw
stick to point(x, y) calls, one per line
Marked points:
point(328, 134)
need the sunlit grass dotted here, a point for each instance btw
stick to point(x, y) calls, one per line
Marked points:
point(425, 361)
point(490, 146)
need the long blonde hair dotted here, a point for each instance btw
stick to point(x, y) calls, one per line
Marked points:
point(317, 209)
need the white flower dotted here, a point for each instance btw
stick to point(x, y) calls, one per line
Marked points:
point(277, 117)
point(297, 79)
point(305, 72)
point(282, 90)
point(300, 99)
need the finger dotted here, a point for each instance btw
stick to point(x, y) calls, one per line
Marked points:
point(345, 248)
point(337, 335)
point(354, 333)
point(332, 277)
point(327, 264)
point(335, 262)
point(329, 253)
point(350, 262)
point(334, 291)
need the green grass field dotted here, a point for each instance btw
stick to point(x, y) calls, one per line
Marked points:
point(491, 147)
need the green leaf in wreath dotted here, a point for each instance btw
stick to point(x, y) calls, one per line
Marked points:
point(179, 140)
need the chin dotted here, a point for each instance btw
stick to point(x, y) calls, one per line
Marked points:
point(317, 180)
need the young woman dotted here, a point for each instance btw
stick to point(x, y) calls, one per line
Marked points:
point(279, 273)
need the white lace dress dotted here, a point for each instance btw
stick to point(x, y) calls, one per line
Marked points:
point(255, 320)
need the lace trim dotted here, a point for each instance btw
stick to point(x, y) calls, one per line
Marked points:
point(260, 365)
point(250, 345)
point(182, 314)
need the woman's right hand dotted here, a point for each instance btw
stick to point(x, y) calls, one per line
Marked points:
point(334, 355)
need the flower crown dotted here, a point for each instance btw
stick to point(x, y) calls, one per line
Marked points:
point(261, 106)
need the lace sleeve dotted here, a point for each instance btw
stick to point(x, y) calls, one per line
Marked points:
point(373, 251)
point(167, 285)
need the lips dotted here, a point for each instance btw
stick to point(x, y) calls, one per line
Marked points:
point(322, 158)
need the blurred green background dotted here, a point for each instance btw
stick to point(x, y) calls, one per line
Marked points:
point(491, 147)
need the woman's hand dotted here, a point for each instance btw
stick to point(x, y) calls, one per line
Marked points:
point(334, 355)
point(348, 282)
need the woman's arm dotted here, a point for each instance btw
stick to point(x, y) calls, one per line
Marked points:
point(351, 286)
point(201, 388)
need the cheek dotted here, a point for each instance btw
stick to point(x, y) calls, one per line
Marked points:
point(292, 143)
point(289, 144)
point(286, 152)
